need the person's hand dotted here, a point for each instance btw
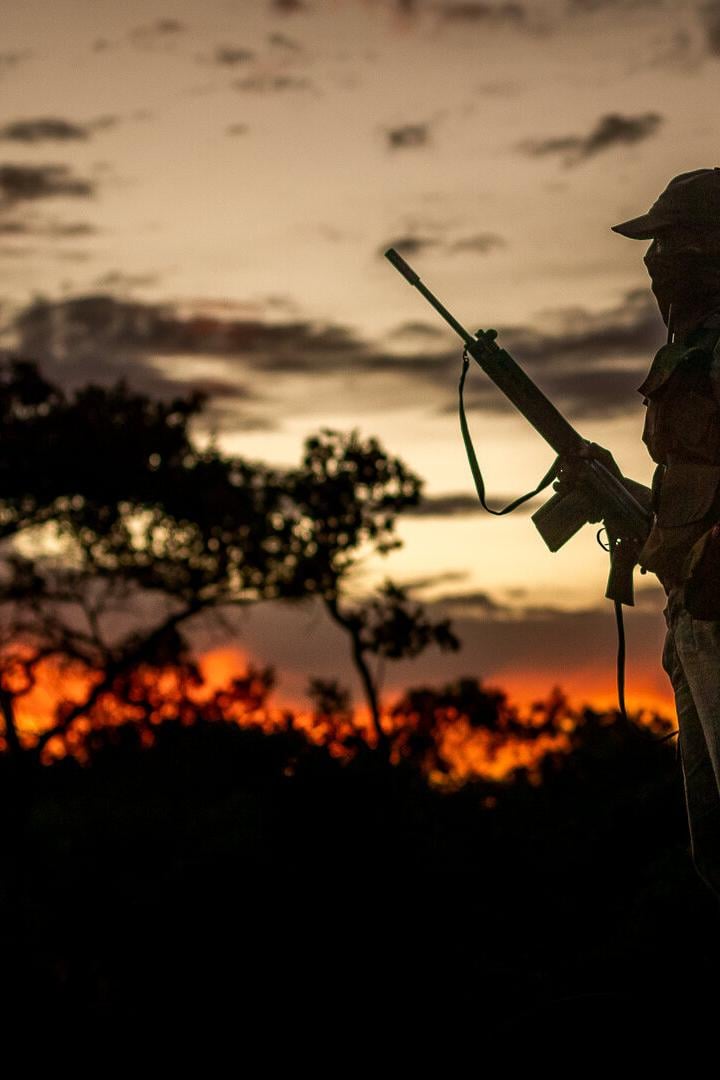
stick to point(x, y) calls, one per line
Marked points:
point(572, 468)
point(572, 474)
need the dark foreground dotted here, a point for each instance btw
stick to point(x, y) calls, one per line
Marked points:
point(229, 877)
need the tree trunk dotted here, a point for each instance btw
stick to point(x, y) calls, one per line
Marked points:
point(368, 683)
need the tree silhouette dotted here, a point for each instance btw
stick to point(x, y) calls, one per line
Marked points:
point(348, 493)
point(124, 517)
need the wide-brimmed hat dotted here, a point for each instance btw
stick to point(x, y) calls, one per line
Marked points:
point(692, 198)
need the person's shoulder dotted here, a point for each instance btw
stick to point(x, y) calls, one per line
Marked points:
point(665, 363)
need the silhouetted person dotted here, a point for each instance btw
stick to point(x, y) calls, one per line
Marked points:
point(682, 434)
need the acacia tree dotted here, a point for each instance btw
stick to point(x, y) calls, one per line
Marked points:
point(135, 517)
point(138, 516)
point(347, 494)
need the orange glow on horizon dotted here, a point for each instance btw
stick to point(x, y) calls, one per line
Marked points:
point(470, 752)
point(595, 687)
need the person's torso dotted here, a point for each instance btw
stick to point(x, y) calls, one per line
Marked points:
point(682, 434)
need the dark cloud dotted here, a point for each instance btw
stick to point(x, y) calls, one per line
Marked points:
point(14, 228)
point(479, 12)
point(287, 7)
point(24, 183)
point(589, 364)
point(631, 329)
point(416, 329)
point(431, 581)
point(100, 339)
point(611, 130)
point(116, 279)
point(104, 123)
point(479, 244)
point(408, 136)
point(231, 55)
point(73, 256)
point(282, 41)
point(409, 245)
point(710, 17)
point(70, 230)
point(463, 504)
point(52, 230)
point(500, 88)
point(10, 58)
point(157, 33)
point(480, 602)
point(42, 129)
point(237, 129)
point(591, 6)
point(161, 27)
point(100, 335)
point(272, 83)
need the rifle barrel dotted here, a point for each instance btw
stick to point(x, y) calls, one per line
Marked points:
point(409, 274)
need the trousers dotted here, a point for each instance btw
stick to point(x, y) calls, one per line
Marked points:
point(691, 658)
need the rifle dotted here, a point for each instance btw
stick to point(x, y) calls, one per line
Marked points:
point(598, 495)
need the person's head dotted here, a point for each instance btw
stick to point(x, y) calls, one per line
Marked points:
point(683, 260)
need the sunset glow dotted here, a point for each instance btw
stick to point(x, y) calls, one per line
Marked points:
point(200, 198)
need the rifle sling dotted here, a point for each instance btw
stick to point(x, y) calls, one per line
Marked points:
point(547, 478)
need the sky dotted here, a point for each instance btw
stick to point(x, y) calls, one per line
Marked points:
point(200, 195)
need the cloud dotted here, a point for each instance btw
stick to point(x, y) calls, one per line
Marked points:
point(100, 337)
point(408, 136)
point(24, 183)
point(710, 17)
point(479, 602)
point(43, 129)
point(591, 6)
point(10, 58)
point(589, 364)
point(480, 12)
point(116, 279)
point(416, 330)
point(431, 581)
point(478, 244)
point(574, 336)
point(14, 228)
point(231, 55)
point(70, 230)
point(287, 7)
point(237, 129)
point(272, 83)
point(52, 230)
point(409, 245)
point(611, 130)
point(456, 505)
point(282, 41)
point(157, 33)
